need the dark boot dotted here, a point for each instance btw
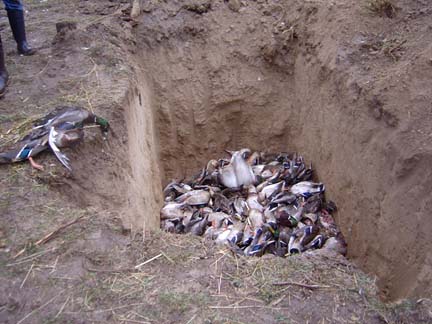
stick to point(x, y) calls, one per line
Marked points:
point(4, 76)
point(16, 21)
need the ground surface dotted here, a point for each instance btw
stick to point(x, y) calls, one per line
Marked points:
point(87, 272)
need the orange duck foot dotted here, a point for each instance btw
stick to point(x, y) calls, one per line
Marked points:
point(35, 165)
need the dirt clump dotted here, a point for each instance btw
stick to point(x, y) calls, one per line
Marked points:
point(198, 7)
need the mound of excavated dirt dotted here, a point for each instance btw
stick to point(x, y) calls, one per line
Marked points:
point(349, 87)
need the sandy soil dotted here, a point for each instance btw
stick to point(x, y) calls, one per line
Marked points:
point(347, 87)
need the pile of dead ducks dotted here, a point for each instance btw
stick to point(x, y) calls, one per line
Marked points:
point(254, 203)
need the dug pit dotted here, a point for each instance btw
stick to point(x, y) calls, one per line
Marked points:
point(274, 80)
point(347, 88)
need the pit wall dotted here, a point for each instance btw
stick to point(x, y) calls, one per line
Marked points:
point(220, 82)
point(144, 189)
point(378, 181)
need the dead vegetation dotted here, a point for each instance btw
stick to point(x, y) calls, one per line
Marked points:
point(391, 47)
point(383, 8)
point(172, 278)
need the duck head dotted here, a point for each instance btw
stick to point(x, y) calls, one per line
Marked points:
point(104, 125)
point(288, 216)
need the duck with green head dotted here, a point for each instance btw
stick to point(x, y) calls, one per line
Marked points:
point(63, 127)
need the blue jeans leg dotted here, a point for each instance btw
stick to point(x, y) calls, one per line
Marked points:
point(13, 5)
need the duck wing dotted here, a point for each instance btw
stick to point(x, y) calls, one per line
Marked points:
point(60, 156)
point(36, 133)
point(72, 114)
point(228, 177)
point(242, 170)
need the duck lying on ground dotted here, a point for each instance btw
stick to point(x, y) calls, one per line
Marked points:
point(63, 127)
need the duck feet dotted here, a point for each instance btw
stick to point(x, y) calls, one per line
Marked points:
point(35, 165)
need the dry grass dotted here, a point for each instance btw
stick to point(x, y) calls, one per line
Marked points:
point(393, 47)
point(223, 288)
point(18, 131)
point(382, 8)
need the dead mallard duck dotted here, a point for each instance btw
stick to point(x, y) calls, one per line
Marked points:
point(63, 127)
point(307, 188)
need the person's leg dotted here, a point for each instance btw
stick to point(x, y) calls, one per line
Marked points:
point(13, 4)
point(15, 12)
point(4, 76)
